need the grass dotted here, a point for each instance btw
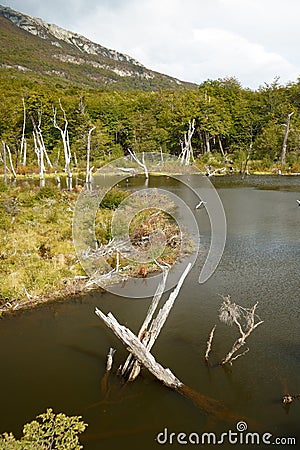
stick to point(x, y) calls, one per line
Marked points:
point(37, 257)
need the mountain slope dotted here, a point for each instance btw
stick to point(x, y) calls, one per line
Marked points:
point(33, 47)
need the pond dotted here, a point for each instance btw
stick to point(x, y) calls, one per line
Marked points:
point(55, 356)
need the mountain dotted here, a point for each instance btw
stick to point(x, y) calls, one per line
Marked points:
point(36, 49)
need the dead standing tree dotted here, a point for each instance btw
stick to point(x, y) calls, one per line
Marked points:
point(186, 155)
point(88, 175)
point(139, 162)
point(245, 319)
point(66, 143)
point(4, 162)
point(6, 150)
point(23, 147)
point(287, 128)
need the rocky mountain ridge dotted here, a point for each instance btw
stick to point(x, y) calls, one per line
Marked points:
point(71, 56)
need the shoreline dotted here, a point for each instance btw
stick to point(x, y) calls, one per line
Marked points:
point(48, 251)
point(38, 261)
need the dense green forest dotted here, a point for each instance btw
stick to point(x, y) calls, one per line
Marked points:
point(231, 122)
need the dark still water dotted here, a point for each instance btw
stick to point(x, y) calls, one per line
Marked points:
point(55, 356)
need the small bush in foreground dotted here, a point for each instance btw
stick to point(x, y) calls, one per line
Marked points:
point(49, 430)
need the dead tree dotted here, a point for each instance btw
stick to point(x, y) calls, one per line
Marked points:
point(210, 405)
point(209, 343)
point(37, 131)
point(4, 162)
point(139, 162)
point(40, 157)
point(221, 146)
point(109, 364)
point(10, 160)
point(131, 368)
point(66, 143)
point(139, 351)
point(288, 398)
point(23, 147)
point(246, 171)
point(287, 127)
point(88, 175)
point(246, 321)
point(186, 155)
point(39, 147)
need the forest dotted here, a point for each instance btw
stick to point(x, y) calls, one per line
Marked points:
point(231, 124)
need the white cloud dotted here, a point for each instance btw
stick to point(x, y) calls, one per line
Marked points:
point(253, 40)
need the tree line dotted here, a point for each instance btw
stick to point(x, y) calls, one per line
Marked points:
point(229, 123)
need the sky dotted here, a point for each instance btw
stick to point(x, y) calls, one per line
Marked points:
point(254, 41)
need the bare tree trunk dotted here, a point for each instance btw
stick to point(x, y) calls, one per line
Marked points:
point(245, 170)
point(11, 162)
point(140, 163)
point(139, 350)
point(149, 334)
point(4, 162)
point(109, 363)
point(207, 143)
point(221, 146)
point(161, 156)
point(131, 368)
point(287, 127)
point(38, 148)
point(88, 174)
point(187, 149)
point(24, 153)
point(42, 167)
point(209, 343)
point(66, 143)
point(23, 140)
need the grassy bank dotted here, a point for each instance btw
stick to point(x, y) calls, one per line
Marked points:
point(37, 258)
point(38, 262)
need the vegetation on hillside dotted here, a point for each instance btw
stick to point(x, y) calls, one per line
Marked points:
point(61, 61)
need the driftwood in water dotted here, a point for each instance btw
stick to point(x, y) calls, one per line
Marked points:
point(131, 367)
point(287, 399)
point(109, 364)
point(150, 332)
point(210, 405)
point(209, 342)
point(140, 352)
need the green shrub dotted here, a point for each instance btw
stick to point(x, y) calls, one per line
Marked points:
point(49, 430)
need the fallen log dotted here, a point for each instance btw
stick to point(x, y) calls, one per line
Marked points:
point(131, 367)
point(149, 336)
point(209, 405)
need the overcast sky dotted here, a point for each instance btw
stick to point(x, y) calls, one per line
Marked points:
point(193, 40)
